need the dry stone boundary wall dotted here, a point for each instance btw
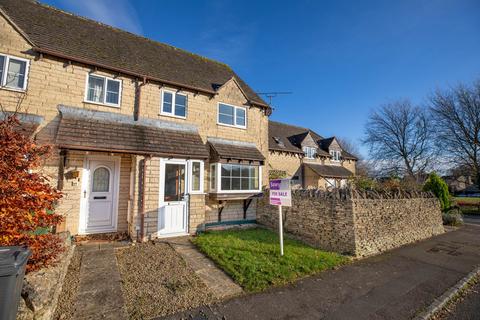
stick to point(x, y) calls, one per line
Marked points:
point(356, 223)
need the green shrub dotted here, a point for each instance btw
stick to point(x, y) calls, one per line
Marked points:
point(364, 183)
point(452, 217)
point(439, 188)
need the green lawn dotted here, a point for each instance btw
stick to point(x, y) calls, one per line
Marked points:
point(252, 258)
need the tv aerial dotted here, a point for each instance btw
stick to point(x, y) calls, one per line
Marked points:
point(273, 94)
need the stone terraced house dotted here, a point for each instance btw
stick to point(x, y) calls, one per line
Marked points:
point(150, 140)
point(307, 158)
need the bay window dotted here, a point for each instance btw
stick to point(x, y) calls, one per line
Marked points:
point(235, 178)
point(13, 72)
point(103, 90)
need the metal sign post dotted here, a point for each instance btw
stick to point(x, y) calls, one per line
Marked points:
point(280, 195)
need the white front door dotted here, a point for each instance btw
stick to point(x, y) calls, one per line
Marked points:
point(172, 213)
point(100, 196)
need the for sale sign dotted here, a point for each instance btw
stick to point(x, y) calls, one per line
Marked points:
point(280, 192)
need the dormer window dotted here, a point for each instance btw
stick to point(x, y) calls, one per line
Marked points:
point(309, 152)
point(336, 155)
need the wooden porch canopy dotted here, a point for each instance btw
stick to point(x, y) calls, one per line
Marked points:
point(82, 129)
point(230, 151)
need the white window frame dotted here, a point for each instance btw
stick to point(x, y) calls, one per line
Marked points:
point(104, 103)
point(172, 114)
point(5, 72)
point(190, 177)
point(212, 181)
point(307, 150)
point(218, 176)
point(336, 155)
point(235, 108)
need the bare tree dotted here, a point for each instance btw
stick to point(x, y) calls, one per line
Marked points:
point(399, 139)
point(363, 167)
point(456, 115)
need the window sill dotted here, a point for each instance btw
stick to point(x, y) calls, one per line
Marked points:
point(102, 104)
point(235, 196)
point(172, 116)
point(231, 126)
point(14, 89)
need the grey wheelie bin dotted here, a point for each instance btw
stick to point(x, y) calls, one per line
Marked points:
point(13, 262)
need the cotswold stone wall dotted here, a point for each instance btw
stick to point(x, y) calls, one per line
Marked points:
point(356, 223)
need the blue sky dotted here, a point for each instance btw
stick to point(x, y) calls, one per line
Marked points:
point(339, 58)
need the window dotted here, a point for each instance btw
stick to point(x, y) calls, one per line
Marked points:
point(101, 180)
point(213, 177)
point(336, 155)
point(103, 90)
point(174, 104)
point(235, 177)
point(310, 152)
point(232, 116)
point(13, 72)
point(174, 182)
point(196, 176)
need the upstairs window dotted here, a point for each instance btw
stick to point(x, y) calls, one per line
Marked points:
point(336, 155)
point(13, 72)
point(232, 116)
point(309, 152)
point(103, 90)
point(174, 104)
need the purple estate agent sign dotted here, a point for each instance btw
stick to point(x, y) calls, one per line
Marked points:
point(280, 193)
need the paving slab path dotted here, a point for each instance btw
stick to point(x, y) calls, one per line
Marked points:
point(99, 293)
point(221, 285)
point(399, 284)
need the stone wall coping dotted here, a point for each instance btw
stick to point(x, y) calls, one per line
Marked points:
point(352, 193)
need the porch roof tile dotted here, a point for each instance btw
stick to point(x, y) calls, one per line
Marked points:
point(329, 171)
point(229, 149)
point(104, 131)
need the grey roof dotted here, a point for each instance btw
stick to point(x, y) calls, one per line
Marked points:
point(285, 137)
point(329, 171)
point(103, 131)
point(66, 35)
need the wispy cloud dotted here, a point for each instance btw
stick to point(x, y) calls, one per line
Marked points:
point(117, 13)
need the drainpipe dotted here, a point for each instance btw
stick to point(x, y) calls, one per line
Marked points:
point(142, 203)
point(138, 96)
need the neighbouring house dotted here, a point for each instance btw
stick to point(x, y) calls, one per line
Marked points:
point(149, 139)
point(307, 158)
point(461, 184)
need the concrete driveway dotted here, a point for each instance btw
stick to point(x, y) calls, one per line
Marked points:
point(396, 285)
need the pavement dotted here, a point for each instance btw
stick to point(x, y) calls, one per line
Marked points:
point(399, 284)
point(468, 308)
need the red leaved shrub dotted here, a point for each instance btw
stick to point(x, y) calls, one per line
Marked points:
point(27, 200)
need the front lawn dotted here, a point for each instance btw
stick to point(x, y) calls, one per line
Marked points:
point(252, 258)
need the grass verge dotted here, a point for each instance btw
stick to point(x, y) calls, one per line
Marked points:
point(251, 257)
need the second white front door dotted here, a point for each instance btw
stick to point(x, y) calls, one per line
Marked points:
point(172, 214)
